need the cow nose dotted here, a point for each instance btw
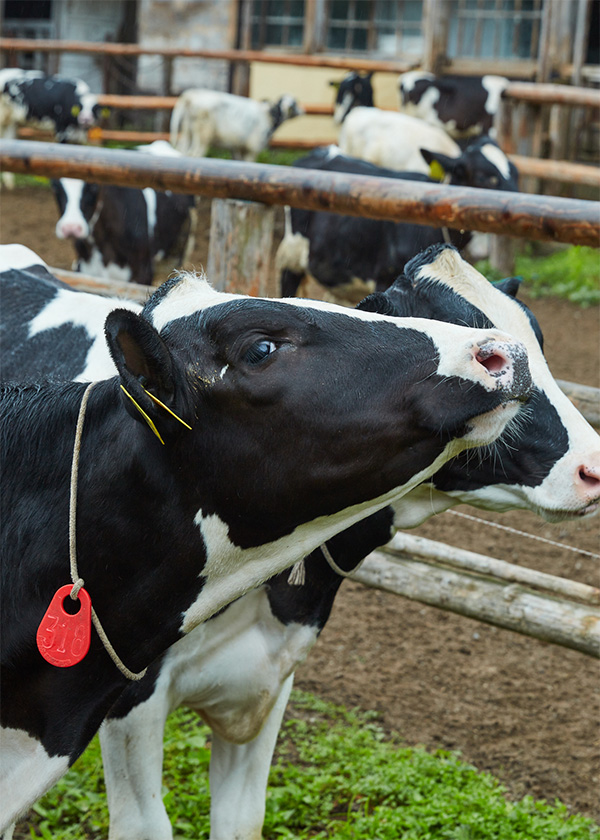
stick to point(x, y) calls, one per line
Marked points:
point(506, 362)
point(71, 229)
point(587, 479)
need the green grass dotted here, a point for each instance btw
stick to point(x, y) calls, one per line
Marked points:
point(572, 273)
point(336, 775)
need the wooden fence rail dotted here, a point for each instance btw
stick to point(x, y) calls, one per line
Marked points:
point(532, 603)
point(513, 214)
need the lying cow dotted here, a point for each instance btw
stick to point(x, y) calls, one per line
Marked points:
point(120, 232)
point(464, 106)
point(271, 398)
point(237, 669)
point(352, 256)
point(243, 126)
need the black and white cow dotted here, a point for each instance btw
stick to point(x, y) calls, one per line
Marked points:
point(352, 256)
point(119, 232)
point(464, 106)
point(239, 435)
point(237, 669)
point(353, 91)
point(30, 97)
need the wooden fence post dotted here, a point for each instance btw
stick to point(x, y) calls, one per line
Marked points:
point(239, 252)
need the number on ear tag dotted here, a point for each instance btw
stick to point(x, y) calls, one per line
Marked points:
point(64, 639)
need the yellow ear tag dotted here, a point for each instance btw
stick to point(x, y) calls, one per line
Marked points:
point(144, 415)
point(436, 170)
point(105, 112)
point(75, 110)
point(166, 408)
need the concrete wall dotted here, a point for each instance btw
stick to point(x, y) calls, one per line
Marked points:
point(80, 20)
point(189, 24)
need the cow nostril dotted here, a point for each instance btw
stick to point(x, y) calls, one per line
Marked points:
point(589, 477)
point(493, 362)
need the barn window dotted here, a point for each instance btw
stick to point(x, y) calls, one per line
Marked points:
point(494, 28)
point(383, 27)
point(277, 23)
point(32, 19)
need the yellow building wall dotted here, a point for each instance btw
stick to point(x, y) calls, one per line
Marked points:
point(311, 86)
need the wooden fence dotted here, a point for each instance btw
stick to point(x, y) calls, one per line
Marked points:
point(523, 126)
point(514, 214)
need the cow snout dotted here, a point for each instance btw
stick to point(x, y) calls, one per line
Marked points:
point(506, 364)
point(587, 480)
point(69, 230)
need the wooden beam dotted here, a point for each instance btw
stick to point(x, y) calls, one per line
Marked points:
point(484, 598)
point(515, 214)
point(104, 48)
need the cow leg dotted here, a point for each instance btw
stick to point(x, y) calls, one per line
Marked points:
point(26, 773)
point(238, 778)
point(132, 754)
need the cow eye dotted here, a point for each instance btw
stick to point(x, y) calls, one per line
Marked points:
point(259, 351)
point(493, 180)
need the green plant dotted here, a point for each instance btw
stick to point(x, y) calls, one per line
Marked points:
point(572, 273)
point(336, 774)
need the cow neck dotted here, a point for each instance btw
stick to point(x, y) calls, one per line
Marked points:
point(75, 579)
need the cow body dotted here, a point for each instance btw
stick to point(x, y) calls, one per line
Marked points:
point(236, 670)
point(203, 118)
point(161, 537)
point(119, 232)
point(351, 256)
point(464, 106)
point(62, 105)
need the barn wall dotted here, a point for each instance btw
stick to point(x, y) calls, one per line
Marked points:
point(190, 24)
point(80, 20)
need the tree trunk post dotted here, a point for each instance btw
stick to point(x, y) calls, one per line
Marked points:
point(239, 253)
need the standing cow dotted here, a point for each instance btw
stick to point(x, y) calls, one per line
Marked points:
point(464, 106)
point(119, 232)
point(229, 446)
point(352, 256)
point(30, 97)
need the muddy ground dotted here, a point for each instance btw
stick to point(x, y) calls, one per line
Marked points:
point(525, 710)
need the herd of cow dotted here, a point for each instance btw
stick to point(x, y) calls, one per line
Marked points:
point(173, 462)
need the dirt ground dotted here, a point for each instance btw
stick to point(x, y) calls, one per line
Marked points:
point(527, 711)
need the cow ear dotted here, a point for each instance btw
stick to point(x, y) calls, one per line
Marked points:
point(439, 164)
point(510, 285)
point(150, 378)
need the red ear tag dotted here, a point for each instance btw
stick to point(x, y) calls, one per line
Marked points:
point(64, 639)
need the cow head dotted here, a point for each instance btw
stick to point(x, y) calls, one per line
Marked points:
point(286, 108)
point(550, 463)
point(77, 203)
point(352, 91)
point(301, 397)
point(482, 164)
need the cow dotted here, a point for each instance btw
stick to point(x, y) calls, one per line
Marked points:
point(353, 91)
point(464, 106)
point(237, 669)
point(352, 256)
point(384, 138)
point(30, 97)
point(119, 232)
point(203, 118)
point(238, 435)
